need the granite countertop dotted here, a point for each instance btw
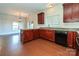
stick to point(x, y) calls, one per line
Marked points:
point(61, 29)
point(30, 29)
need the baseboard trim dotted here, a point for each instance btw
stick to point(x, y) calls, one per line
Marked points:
point(8, 34)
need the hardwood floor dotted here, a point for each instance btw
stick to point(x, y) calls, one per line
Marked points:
point(10, 45)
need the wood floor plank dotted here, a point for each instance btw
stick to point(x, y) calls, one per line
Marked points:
point(11, 46)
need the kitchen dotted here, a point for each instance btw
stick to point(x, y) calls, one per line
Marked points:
point(48, 21)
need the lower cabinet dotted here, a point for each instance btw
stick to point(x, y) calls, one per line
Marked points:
point(71, 39)
point(50, 35)
point(27, 35)
point(35, 33)
point(47, 34)
point(42, 33)
point(77, 52)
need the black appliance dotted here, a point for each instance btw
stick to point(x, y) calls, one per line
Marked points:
point(61, 38)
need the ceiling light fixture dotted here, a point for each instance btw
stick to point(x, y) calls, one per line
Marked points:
point(21, 16)
point(50, 5)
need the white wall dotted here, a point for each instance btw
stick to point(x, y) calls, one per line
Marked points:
point(6, 21)
point(54, 18)
point(0, 25)
point(32, 17)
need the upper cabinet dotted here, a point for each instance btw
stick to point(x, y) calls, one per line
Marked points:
point(75, 12)
point(71, 12)
point(67, 12)
point(41, 18)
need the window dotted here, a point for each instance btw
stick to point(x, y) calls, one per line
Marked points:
point(15, 26)
point(30, 25)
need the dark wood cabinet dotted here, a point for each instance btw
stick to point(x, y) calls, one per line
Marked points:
point(50, 35)
point(26, 35)
point(75, 12)
point(67, 12)
point(35, 33)
point(71, 12)
point(41, 18)
point(71, 39)
point(77, 51)
point(47, 34)
point(42, 33)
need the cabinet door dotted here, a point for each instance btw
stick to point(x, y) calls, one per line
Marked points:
point(42, 34)
point(77, 52)
point(23, 36)
point(67, 12)
point(41, 18)
point(74, 39)
point(71, 39)
point(36, 34)
point(50, 35)
point(75, 12)
point(27, 35)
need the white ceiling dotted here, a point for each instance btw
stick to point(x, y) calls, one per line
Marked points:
point(12, 8)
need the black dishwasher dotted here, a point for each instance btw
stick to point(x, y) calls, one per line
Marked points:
point(61, 38)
